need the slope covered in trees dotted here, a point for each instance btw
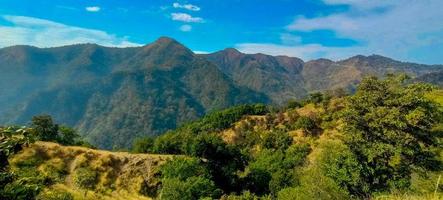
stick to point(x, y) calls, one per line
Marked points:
point(383, 142)
point(113, 95)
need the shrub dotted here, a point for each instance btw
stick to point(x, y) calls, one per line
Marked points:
point(305, 123)
point(190, 189)
point(85, 178)
point(55, 195)
point(20, 190)
point(276, 140)
point(184, 168)
point(143, 145)
point(246, 195)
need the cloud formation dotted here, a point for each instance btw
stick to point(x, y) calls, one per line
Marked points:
point(183, 17)
point(93, 9)
point(394, 28)
point(186, 6)
point(186, 28)
point(45, 33)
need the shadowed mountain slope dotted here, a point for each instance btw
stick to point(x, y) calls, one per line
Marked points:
point(114, 95)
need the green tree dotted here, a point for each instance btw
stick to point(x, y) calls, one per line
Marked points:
point(184, 168)
point(223, 160)
point(189, 189)
point(45, 128)
point(187, 178)
point(68, 136)
point(143, 145)
point(305, 123)
point(387, 125)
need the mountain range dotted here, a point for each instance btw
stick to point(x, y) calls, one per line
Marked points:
point(113, 95)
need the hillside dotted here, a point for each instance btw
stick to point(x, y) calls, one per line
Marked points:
point(279, 77)
point(113, 95)
point(383, 142)
point(114, 175)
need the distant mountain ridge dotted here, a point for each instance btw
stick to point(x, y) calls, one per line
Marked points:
point(113, 95)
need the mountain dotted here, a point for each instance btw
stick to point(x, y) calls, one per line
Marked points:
point(280, 77)
point(284, 78)
point(433, 77)
point(113, 95)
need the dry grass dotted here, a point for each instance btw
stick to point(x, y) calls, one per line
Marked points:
point(120, 175)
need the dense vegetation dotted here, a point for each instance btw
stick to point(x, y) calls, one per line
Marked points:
point(114, 95)
point(382, 142)
point(28, 183)
point(360, 146)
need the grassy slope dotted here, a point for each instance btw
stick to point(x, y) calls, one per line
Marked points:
point(120, 175)
point(123, 175)
point(423, 185)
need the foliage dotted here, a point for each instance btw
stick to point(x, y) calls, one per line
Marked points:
point(382, 140)
point(184, 168)
point(276, 139)
point(274, 169)
point(143, 145)
point(336, 161)
point(46, 130)
point(223, 160)
point(85, 178)
point(246, 195)
point(187, 178)
point(55, 195)
point(388, 128)
point(189, 189)
point(223, 119)
point(305, 123)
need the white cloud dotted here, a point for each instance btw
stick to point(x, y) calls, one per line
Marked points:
point(186, 28)
point(200, 52)
point(45, 33)
point(186, 18)
point(186, 6)
point(307, 52)
point(93, 9)
point(394, 28)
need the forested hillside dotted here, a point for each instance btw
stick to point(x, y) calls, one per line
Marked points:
point(382, 142)
point(113, 95)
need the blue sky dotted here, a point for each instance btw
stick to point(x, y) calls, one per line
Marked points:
point(409, 30)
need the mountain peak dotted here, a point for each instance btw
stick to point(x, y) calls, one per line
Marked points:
point(167, 44)
point(165, 40)
point(232, 50)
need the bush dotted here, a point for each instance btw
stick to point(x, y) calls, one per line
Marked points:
point(223, 160)
point(143, 145)
point(55, 195)
point(276, 140)
point(305, 123)
point(257, 181)
point(337, 162)
point(184, 168)
point(246, 195)
point(169, 143)
point(68, 136)
point(20, 190)
point(85, 178)
point(190, 189)
point(314, 185)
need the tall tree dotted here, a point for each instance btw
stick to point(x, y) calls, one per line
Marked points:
point(387, 125)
